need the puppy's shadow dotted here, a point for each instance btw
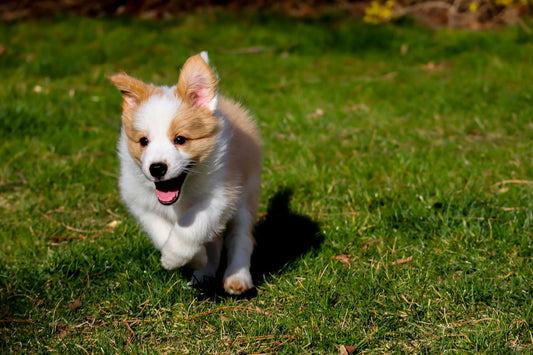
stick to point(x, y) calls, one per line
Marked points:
point(281, 237)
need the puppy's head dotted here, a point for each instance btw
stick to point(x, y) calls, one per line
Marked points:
point(170, 130)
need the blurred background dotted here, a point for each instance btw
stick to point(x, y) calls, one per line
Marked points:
point(471, 14)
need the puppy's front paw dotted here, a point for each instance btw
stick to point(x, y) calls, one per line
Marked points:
point(176, 254)
point(238, 282)
point(171, 261)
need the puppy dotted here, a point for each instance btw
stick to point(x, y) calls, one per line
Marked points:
point(190, 164)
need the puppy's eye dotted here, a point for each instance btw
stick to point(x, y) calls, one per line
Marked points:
point(143, 141)
point(179, 140)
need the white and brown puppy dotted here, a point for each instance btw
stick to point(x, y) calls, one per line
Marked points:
point(190, 172)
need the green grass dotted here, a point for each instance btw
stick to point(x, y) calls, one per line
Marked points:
point(403, 155)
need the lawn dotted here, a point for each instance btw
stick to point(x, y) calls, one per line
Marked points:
point(395, 213)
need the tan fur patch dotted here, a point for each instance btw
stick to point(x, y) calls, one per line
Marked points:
point(134, 93)
point(134, 146)
point(199, 127)
point(197, 86)
point(244, 152)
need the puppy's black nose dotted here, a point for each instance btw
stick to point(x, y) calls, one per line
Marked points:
point(158, 170)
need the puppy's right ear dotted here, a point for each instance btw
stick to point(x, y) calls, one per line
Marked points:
point(133, 90)
point(197, 83)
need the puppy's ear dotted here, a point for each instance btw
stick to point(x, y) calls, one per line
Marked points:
point(197, 83)
point(133, 90)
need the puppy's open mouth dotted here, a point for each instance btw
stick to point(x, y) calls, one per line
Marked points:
point(168, 191)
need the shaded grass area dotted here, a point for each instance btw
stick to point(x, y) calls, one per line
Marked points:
point(398, 169)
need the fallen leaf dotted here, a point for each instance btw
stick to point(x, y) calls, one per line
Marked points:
point(75, 305)
point(346, 350)
point(60, 328)
point(113, 224)
point(344, 259)
point(318, 113)
point(429, 66)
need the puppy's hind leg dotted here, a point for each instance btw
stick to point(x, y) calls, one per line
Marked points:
point(239, 244)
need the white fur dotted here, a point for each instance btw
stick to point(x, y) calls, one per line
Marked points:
point(204, 56)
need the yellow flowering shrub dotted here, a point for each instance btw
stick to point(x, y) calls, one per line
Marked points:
point(473, 6)
point(459, 12)
point(378, 12)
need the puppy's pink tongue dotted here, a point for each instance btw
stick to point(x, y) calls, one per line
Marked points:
point(167, 196)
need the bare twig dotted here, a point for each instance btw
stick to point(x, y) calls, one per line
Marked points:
point(64, 237)
point(16, 320)
point(507, 182)
point(425, 6)
point(402, 261)
point(227, 308)
point(63, 224)
point(248, 50)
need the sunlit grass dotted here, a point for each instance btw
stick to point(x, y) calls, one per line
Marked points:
point(403, 155)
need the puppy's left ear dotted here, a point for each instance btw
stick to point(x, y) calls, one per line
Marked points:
point(133, 90)
point(197, 83)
